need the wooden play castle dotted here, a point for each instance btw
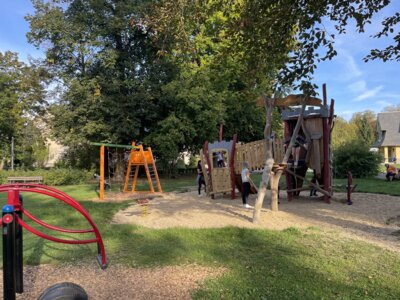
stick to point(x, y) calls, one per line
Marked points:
point(308, 121)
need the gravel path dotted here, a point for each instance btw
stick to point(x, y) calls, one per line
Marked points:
point(118, 282)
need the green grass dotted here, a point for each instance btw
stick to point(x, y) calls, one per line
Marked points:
point(370, 185)
point(261, 264)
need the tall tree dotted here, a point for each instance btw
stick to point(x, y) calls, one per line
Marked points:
point(343, 133)
point(109, 68)
point(124, 79)
point(392, 108)
point(22, 99)
point(365, 122)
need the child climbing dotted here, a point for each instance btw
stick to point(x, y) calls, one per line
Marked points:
point(300, 142)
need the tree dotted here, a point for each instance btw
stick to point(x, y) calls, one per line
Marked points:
point(22, 99)
point(123, 79)
point(365, 122)
point(392, 108)
point(343, 133)
point(108, 67)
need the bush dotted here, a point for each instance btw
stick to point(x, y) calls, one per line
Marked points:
point(356, 158)
point(56, 176)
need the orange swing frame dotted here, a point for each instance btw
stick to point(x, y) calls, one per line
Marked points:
point(138, 157)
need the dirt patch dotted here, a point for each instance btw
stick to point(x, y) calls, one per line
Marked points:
point(118, 282)
point(367, 219)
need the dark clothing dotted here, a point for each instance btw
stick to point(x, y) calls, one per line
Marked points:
point(313, 191)
point(201, 181)
point(245, 191)
point(200, 178)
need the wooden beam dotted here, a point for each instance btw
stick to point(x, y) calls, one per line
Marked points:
point(114, 145)
point(315, 186)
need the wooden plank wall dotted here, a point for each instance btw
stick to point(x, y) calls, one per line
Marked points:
point(221, 180)
point(279, 150)
point(255, 152)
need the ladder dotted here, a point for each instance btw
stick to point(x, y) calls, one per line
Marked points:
point(140, 157)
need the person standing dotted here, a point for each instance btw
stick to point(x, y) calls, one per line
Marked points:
point(200, 177)
point(220, 160)
point(245, 184)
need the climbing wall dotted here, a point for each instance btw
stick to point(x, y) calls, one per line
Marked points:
point(221, 180)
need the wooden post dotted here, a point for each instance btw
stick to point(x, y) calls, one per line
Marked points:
point(326, 133)
point(269, 160)
point(232, 166)
point(274, 190)
point(102, 172)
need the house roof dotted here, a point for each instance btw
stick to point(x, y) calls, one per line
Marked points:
point(389, 125)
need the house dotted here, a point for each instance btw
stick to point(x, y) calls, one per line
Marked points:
point(388, 129)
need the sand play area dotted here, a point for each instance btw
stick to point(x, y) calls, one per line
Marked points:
point(373, 218)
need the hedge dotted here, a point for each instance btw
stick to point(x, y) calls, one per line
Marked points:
point(56, 176)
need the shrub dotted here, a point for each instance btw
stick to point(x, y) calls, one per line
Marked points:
point(356, 158)
point(56, 176)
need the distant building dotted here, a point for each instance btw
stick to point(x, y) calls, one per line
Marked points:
point(55, 152)
point(388, 129)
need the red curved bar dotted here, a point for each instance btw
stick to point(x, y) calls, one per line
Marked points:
point(33, 218)
point(51, 238)
point(54, 193)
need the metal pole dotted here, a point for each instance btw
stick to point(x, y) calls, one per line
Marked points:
point(101, 172)
point(12, 153)
point(8, 252)
point(19, 262)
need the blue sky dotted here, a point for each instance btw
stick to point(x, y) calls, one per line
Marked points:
point(356, 86)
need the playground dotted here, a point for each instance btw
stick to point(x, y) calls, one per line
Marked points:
point(160, 259)
point(371, 219)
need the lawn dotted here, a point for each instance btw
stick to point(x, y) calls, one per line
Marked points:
point(261, 264)
point(370, 185)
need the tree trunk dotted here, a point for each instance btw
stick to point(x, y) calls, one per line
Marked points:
point(269, 162)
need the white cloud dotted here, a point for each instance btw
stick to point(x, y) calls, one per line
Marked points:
point(358, 86)
point(351, 68)
point(368, 94)
point(384, 103)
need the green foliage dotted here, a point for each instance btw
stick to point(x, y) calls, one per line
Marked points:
point(365, 123)
point(148, 70)
point(55, 176)
point(343, 133)
point(123, 79)
point(356, 158)
point(369, 185)
point(22, 100)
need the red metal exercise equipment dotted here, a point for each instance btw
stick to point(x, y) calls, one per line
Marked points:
point(13, 215)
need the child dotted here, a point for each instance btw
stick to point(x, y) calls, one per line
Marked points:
point(245, 184)
point(313, 191)
point(200, 178)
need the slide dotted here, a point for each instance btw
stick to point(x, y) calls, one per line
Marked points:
point(238, 180)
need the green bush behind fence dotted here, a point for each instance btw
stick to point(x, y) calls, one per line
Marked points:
point(56, 176)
